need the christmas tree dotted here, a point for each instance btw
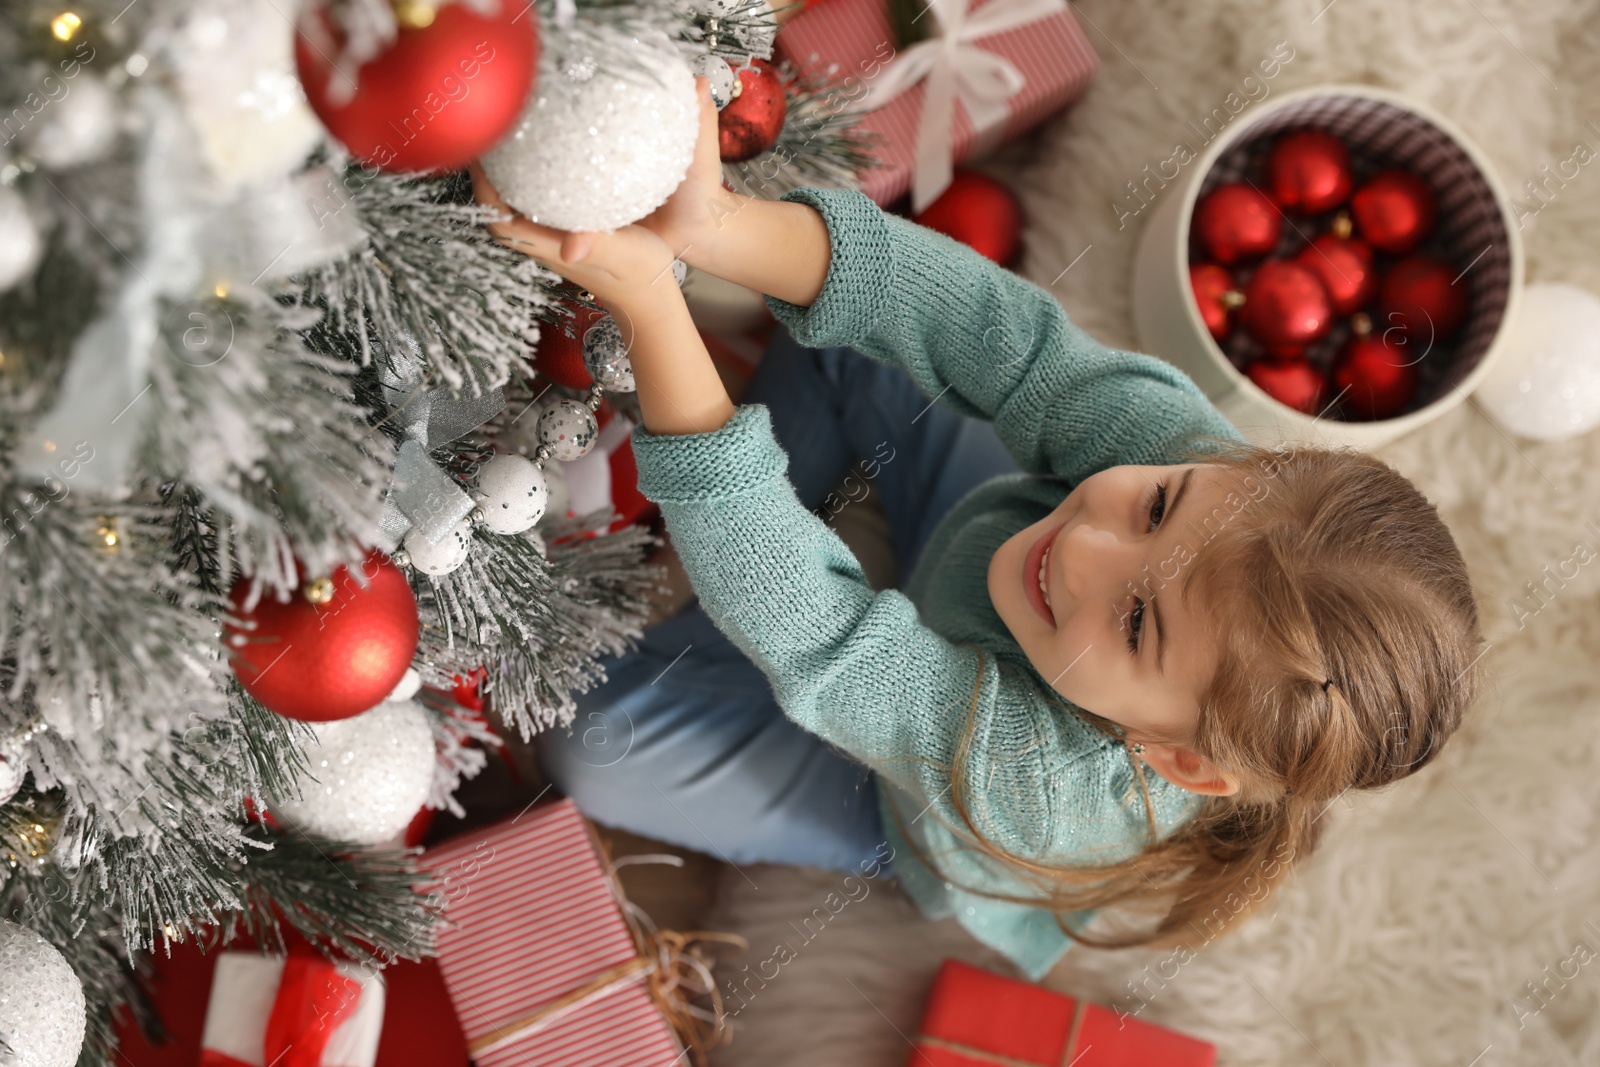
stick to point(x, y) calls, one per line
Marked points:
point(282, 443)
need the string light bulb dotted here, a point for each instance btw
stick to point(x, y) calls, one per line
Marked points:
point(415, 14)
point(65, 26)
point(108, 533)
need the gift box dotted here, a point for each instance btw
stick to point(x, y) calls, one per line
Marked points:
point(294, 1011)
point(546, 960)
point(975, 1018)
point(1012, 64)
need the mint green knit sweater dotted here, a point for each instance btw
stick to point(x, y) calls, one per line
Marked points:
point(889, 676)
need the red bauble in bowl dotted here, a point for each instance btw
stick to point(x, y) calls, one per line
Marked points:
point(1420, 296)
point(1394, 211)
point(1344, 266)
point(752, 120)
point(1216, 296)
point(1237, 221)
point(1309, 171)
point(977, 211)
point(436, 97)
point(335, 649)
point(1375, 379)
point(1285, 307)
point(1294, 382)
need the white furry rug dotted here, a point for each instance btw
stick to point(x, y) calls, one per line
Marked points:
point(1411, 937)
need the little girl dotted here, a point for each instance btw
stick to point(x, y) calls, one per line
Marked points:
point(1105, 580)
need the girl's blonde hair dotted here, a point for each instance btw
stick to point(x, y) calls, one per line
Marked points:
point(1349, 643)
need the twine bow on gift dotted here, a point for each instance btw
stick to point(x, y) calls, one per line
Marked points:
point(673, 973)
point(955, 66)
point(1069, 1054)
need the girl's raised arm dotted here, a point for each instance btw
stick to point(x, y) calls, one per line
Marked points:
point(985, 341)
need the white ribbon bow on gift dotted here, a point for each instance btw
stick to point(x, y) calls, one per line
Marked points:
point(955, 66)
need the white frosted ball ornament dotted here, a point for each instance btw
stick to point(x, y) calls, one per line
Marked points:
point(605, 356)
point(718, 75)
point(368, 775)
point(79, 128)
point(20, 243)
point(1546, 383)
point(512, 493)
point(443, 556)
point(567, 428)
point(410, 685)
point(236, 77)
point(603, 141)
point(42, 1014)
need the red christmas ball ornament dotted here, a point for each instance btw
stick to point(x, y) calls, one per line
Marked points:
point(1285, 307)
point(334, 650)
point(1377, 379)
point(1419, 296)
point(1309, 171)
point(1393, 211)
point(978, 211)
point(1344, 265)
point(449, 85)
point(1237, 221)
point(1216, 296)
point(1296, 383)
point(751, 122)
point(559, 357)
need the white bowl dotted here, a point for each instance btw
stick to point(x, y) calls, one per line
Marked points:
point(1476, 224)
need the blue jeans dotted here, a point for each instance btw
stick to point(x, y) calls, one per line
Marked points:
point(684, 742)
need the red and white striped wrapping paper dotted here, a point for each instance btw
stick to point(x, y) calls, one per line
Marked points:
point(530, 917)
point(1052, 54)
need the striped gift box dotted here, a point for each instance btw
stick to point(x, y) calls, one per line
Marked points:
point(532, 916)
point(852, 42)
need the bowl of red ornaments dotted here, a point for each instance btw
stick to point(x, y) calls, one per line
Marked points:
point(1337, 266)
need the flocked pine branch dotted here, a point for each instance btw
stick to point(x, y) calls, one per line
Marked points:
point(432, 276)
point(537, 625)
point(268, 434)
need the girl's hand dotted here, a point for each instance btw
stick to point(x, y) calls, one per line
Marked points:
point(617, 267)
point(691, 216)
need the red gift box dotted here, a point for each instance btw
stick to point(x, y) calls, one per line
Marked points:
point(541, 963)
point(978, 1019)
point(935, 104)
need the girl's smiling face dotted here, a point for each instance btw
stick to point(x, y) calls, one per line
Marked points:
point(1091, 594)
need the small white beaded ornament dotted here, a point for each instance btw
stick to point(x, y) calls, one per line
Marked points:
point(512, 494)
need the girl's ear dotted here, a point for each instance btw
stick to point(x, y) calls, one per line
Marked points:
point(1189, 770)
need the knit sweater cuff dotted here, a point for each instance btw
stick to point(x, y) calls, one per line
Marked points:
point(861, 270)
point(689, 468)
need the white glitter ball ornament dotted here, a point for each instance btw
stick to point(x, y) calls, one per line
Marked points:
point(409, 685)
point(80, 128)
point(369, 774)
point(605, 356)
point(567, 428)
point(444, 556)
point(1546, 383)
point(20, 243)
point(719, 77)
point(41, 1001)
point(603, 140)
point(512, 493)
